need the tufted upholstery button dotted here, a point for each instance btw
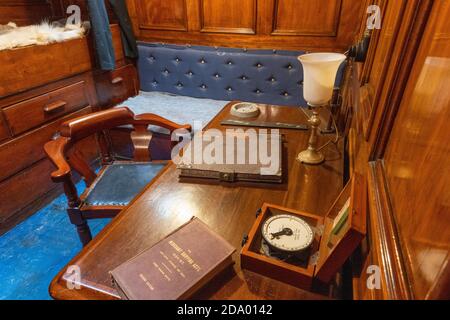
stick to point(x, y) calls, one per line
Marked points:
point(266, 76)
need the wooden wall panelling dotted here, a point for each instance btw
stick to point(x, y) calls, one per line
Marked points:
point(409, 211)
point(385, 244)
point(381, 247)
point(379, 61)
point(388, 65)
point(417, 161)
point(301, 17)
point(225, 16)
point(162, 15)
point(363, 25)
point(375, 34)
point(271, 24)
point(388, 98)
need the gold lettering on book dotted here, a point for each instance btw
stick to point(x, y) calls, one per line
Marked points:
point(148, 284)
point(172, 264)
point(184, 255)
point(162, 272)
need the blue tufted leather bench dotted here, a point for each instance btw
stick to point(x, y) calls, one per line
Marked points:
point(262, 76)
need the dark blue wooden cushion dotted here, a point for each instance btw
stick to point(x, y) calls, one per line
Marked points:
point(121, 182)
point(262, 76)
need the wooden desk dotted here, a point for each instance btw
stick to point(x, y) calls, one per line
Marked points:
point(229, 209)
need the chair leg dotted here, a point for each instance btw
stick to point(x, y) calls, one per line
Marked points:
point(84, 232)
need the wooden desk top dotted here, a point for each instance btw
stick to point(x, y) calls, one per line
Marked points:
point(229, 209)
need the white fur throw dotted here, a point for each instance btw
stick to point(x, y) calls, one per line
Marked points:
point(12, 36)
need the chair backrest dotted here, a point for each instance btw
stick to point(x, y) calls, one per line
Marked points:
point(65, 157)
point(84, 126)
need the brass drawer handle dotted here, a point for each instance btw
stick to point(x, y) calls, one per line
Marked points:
point(54, 106)
point(117, 80)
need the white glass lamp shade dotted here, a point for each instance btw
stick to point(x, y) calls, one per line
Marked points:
point(319, 73)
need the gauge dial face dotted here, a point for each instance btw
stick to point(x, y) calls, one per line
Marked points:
point(287, 233)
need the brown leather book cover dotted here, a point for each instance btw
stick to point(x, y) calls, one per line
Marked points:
point(176, 267)
point(249, 168)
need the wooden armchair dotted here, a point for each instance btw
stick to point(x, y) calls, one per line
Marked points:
point(117, 182)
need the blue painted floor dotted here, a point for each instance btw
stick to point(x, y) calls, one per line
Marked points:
point(33, 252)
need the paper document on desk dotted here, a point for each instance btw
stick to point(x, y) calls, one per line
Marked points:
point(235, 156)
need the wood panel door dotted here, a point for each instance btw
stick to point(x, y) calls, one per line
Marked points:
point(272, 24)
point(404, 100)
point(417, 162)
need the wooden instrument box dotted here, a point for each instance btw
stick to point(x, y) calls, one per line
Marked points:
point(328, 252)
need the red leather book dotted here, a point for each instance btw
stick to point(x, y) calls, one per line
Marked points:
point(176, 267)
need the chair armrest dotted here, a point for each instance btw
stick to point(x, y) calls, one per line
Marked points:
point(55, 151)
point(153, 119)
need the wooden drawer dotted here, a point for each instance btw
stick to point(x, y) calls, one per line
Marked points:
point(24, 188)
point(33, 66)
point(22, 152)
point(4, 134)
point(116, 86)
point(21, 193)
point(36, 111)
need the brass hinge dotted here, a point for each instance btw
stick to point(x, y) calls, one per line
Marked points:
point(319, 230)
point(227, 176)
point(315, 258)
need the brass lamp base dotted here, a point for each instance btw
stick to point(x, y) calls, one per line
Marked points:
point(311, 157)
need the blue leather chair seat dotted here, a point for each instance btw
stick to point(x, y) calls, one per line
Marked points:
point(120, 182)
